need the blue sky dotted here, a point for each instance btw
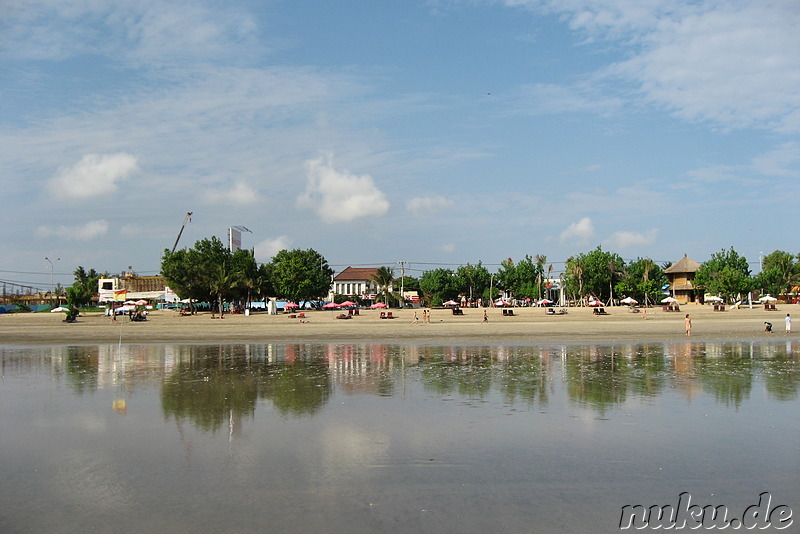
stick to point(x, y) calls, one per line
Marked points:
point(435, 132)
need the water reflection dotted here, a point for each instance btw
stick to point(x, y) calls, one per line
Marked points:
point(209, 385)
point(370, 437)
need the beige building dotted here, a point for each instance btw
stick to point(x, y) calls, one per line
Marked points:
point(681, 279)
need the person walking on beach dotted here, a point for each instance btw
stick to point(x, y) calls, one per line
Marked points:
point(788, 323)
point(687, 322)
point(416, 319)
point(485, 317)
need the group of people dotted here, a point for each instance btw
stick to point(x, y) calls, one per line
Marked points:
point(787, 320)
point(687, 321)
point(426, 316)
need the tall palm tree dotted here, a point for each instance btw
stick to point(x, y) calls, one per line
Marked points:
point(220, 282)
point(575, 271)
point(383, 279)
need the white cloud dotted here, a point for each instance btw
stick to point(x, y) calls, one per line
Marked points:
point(238, 194)
point(580, 232)
point(782, 161)
point(269, 247)
point(152, 32)
point(733, 63)
point(422, 206)
point(85, 232)
point(94, 175)
point(338, 196)
point(625, 239)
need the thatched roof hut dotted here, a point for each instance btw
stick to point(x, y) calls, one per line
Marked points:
point(681, 279)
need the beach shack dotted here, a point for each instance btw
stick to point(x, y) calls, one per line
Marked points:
point(681, 279)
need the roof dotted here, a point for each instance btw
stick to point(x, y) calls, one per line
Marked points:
point(685, 265)
point(356, 273)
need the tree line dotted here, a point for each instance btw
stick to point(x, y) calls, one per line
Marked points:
point(210, 272)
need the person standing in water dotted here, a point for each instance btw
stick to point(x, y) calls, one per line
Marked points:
point(788, 323)
point(687, 322)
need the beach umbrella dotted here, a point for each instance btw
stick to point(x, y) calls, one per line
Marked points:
point(595, 303)
point(140, 302)
point(501, 302)
point(331, 305)
point(378, 305)
point(629, 300)
point(450, 303)
point(767, 298)
point(545, 302)
point(291, 305)
point(59, 309)
point(712, 298)
point(348, 303)
point(669, 300)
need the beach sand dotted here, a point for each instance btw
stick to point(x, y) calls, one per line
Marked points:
point(527, 326)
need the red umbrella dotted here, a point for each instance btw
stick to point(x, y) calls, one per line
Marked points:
point(332, 305)
point(291, 305)
point(348, 303)
point(378, 305)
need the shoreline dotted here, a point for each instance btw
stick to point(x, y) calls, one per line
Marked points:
point(529, 326)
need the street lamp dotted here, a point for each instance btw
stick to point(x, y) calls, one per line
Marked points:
point(51, 275)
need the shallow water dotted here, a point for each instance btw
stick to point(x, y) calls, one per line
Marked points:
point(391, 438)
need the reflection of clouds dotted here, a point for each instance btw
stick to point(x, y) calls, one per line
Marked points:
point(346, 449)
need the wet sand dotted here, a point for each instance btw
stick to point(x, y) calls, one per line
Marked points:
point(527, 326)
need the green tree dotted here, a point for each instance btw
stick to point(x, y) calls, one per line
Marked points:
point(642, 280)
point(472, 280)
point(726, 273)
point(384, 280)
point(438, 286)
point(597, 271)
point(780, 271)
point(300, 275)
point(190, 272)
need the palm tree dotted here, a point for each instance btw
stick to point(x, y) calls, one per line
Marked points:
point(383, 279)
point(575, 271)
point(220, 282)
point(647, 266)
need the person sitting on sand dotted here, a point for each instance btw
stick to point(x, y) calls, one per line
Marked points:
point(767, 327)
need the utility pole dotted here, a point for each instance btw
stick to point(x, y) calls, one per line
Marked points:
point(403, 282)
point(51, 277)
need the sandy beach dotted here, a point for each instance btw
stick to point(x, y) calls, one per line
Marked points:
point(527, 326)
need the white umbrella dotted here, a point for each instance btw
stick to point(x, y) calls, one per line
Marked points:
point(545, 301)
point(59, 309)
point(669, 300)
point(767, 298)
point(450, 303)
point(712, 298)
point(629, 300)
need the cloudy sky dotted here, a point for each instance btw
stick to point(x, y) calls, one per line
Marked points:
point(435, 132)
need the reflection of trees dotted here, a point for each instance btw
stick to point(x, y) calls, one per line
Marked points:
point(782, 377)
point(600, 377)
point(211, 386)
point(474, 372)
point(598, 381)
point(208, 389)
point(729, 378)
point(82, 367)
point(525, 379)
point(298, 389)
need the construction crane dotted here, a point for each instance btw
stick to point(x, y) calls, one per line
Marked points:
point(187, 219)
